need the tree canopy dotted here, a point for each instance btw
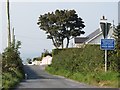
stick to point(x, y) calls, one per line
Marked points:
point(61, 25)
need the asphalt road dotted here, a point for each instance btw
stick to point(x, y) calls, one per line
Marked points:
point(38, 78)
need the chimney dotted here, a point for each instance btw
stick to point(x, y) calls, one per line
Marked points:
point(103, 18)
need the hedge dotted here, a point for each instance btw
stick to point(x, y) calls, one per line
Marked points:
point(88, 59)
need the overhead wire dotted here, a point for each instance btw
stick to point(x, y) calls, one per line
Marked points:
point(31, 38)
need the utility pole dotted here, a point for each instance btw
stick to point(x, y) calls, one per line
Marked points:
point(8, 21)
point(13, 37)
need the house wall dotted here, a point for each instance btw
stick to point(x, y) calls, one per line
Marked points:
point(46, 60)
point(36, 63)
point(79, 45)
point(110, 34)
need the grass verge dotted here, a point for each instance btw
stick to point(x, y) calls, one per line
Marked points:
point(0, 81)
point(11, 79)
point(101, 79)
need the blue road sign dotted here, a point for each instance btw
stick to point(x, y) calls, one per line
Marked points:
point(107, 44)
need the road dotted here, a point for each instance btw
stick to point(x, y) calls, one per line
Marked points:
point(38, 78)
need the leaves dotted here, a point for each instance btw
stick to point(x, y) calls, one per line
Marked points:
point(60, 25)
point(83, 59)
point(117, 34)
point(11, 58)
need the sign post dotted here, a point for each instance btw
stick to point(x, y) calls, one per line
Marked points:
point(105, 60)
point(107, 44)
point(105, 26)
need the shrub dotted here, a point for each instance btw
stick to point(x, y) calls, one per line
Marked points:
point(85, 65)
point(12, 67)
point(89, 59)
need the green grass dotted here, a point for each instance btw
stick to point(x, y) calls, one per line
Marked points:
point(102, 79)
point(86, 65)
point(0, 80)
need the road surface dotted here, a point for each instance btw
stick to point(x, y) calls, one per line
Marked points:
point(38, 78)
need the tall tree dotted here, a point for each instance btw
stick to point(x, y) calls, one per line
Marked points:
point(60, 25)
point(8, 21)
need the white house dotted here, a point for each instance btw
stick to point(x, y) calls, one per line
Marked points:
point(46, 60)
point(93, 38)
point(36, 62)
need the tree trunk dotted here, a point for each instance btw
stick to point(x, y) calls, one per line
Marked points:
point(54, 43)
point(67, 42)
point(62, 44)
point(9, 33)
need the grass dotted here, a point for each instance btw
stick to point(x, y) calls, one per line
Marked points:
point(0, 80)
point(85, 65)
point(101, 79)
point(10, 80)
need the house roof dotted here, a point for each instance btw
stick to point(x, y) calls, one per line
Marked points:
point(80, 39)
point(89, 37)
point(93, 34)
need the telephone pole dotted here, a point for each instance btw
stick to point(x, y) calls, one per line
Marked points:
point(13, 37)
point(8, 21)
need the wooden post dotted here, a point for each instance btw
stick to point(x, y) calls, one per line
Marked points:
point(13, 38)
point(8, 21)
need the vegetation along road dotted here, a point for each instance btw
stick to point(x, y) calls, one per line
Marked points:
point(38, 78)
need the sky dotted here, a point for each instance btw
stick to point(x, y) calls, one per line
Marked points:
point(24, 17)
point(119, 12)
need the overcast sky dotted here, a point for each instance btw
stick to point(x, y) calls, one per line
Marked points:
point(24, 17)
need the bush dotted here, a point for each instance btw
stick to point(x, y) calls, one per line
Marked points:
point(12, 67)
point(85, 64)
point(94, 78)
point(9, 80)
point(89, 59)
point(44, 54)
point(79, 60)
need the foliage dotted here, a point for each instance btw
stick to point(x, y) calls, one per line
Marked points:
point(0, 63)
point(75, 60)
point(11, 58)
point(0, 80)
point(117, 39)
point(117, 35)
point(81, 59)
point(44, 54)
point(101, 79)
point(78, 63)
point(60, 25)
point(12, 66)
point(36, 59)
point(29, 61)
point(9, 80)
